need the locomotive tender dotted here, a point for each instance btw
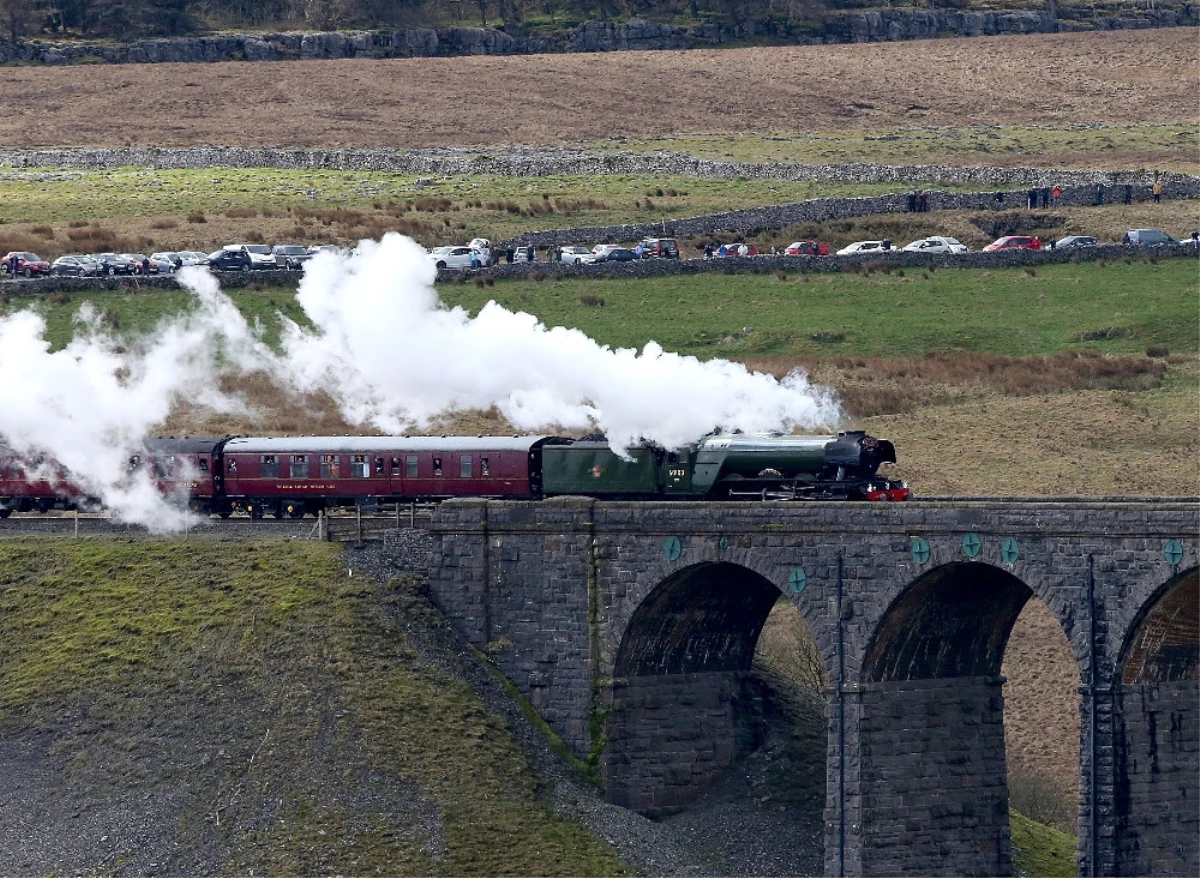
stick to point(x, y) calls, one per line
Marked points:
point(301, 475)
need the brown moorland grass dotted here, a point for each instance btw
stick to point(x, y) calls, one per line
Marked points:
point(1119, 77)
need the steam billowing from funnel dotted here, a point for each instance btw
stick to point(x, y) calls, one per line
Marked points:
point(394, 358)
point(391, 355)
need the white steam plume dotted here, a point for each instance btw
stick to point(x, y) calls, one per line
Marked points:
point(90, 405)
point(393, 357)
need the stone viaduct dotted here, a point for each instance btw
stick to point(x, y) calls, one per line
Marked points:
point(631, 628)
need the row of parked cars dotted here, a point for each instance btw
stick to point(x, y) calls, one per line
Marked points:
point(232, 257)
point(942, 244)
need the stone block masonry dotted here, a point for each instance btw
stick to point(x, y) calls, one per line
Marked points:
point(631, 626)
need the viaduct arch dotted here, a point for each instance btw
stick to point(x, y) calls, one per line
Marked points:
point(631, 627)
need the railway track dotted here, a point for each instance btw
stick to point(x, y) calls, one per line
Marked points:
point(335, 527)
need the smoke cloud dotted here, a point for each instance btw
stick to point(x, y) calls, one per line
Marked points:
point(395, 358)
point(387, 350)
point(90, 405)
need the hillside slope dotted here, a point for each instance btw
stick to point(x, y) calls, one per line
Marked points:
point(174, 708)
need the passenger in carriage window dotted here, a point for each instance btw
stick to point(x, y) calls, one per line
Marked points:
point(437, 466)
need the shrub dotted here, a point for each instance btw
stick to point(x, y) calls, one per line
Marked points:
point(164, 224)
point(591, 301)
point(1157, 352)
point(43, 231)
point(59, 298)
point(196, 217)
point(241, 213)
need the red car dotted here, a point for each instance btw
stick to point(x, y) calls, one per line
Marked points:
point(807, 248)
point(738, 250)
point(1015, 242)
point(28, 264)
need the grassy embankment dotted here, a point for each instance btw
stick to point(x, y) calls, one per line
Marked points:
point(345, 745)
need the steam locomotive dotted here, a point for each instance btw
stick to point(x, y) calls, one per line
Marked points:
point(307, 474)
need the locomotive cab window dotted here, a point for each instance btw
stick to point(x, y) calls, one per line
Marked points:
point(410, 466)
point(299, 466)
point(268, 466)
point(465, 468)
point(360, 467)
point(437, 466)
point(329, 466)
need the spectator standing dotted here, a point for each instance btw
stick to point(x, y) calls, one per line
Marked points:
point(721, 251)
point(1128, 193)
point(1099, 194)
point(999, 199)
point(1125, 239)
point(1056, 194)
point(1045, 196)
point(708, 251)
point(912, 201)
point(1033, 193)
point(922, 201)
point(1157, 191)
point(1196, 239)
point(474, 260)
point(640, 251)
point(509, 254)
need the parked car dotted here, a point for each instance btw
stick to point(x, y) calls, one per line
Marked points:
point(168, 260)
point(1076, 241)
point(525, 254)
point(455, 257)
point(314, 249)
point(737, 250)
point(573, 254)
point(230, 260)
point(1147, 238)
point(28, 264)
point(866, 247)
point(936, 244)
point(661, 248)
point(143, 264)
point(76, 266)
point(807, 248)
point(115, 263)
point(598, 252)
point(615, 254)
point(261, 257)
point(290, 255)
point(1015, 242)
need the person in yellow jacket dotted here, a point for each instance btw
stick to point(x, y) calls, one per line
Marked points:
point(1157, 191)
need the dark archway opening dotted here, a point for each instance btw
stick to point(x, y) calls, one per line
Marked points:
point(711, 726)
point(929, 711)
point(1157, 790)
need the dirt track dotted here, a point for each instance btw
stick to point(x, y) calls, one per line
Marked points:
point(1119, 77)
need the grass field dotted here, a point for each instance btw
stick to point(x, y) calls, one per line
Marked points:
point(1121, 78)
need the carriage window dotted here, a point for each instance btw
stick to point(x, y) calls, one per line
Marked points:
point(299, 466)
point(134, 462)
point(232, 467)
point(379, 466)
point(164, 467)
point(410, 466)
point(465, 470)
point(204, 464)
point(483, 466)
point(437, 466)
point(268, 467)
point(329, 466)
point(360, 468)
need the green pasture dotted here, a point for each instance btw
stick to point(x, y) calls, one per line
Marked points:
point(503, 205)
point(1174, 146)
point(1117, 307)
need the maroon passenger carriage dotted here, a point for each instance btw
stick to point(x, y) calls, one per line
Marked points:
point(305, 474)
